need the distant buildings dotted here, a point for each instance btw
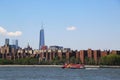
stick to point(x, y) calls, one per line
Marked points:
point(84, 56)
point(10, 52)
point(13, 45)
point(56, 48)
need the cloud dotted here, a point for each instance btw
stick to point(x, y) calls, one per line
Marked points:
point(2, 31)
point(72, 28)
point(5, 32)
point(17, 33)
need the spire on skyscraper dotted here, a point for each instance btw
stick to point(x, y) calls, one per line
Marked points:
point(42, 25)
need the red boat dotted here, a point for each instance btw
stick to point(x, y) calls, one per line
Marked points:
point(73, 66)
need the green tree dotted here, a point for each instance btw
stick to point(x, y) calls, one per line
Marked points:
point(111, 59)
point(5, 61)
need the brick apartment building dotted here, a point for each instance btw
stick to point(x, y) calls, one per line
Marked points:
point(10, 53)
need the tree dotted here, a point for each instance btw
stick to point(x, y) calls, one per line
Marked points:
point(111, 59)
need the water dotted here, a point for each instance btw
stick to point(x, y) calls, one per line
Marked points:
point(44, 73)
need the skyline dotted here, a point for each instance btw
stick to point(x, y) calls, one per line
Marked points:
point(73, 24)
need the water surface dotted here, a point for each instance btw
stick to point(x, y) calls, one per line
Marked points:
point(49, 73)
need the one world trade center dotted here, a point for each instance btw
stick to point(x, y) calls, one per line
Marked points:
point(41, 42)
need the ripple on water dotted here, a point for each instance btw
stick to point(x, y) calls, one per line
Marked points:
point(43, 73)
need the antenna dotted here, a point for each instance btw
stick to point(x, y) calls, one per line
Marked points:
point(42, 25)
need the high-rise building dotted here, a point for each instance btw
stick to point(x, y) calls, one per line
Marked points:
point(16, 44)
point(7, 41)
point(41, 41)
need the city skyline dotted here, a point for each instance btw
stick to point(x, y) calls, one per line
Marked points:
point(71, 24)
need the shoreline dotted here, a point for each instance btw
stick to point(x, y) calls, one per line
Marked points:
point(31, 66)
point(101, 66)
point(59, 66)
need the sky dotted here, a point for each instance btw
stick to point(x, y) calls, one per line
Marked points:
point(75, 24)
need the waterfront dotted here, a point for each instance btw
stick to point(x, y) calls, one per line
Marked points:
point(56, 73)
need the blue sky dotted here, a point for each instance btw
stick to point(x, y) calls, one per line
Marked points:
point(95, 23)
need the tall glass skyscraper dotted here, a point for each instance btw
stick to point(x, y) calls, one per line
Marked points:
point(41, 42)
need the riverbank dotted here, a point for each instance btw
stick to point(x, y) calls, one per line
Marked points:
point(59, 66)
point(105, 66)
point(101, 66)
point(30, 65)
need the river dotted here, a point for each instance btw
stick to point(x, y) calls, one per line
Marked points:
point(52, 73)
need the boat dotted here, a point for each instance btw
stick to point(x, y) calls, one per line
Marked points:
point(73, 66)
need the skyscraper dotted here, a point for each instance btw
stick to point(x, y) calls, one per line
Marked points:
point(16, 44)
point(41, 42)
point(7, 41)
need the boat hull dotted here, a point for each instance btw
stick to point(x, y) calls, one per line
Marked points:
point(73, 66)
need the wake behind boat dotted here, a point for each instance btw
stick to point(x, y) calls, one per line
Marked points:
point(73, 66)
